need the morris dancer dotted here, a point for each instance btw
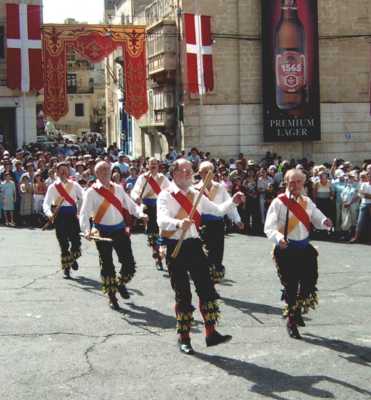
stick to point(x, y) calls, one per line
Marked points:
point(110, 209)
point(174, 208)
point(288, 224)
point(60, 206)
point(147, 187)
point(213, 225)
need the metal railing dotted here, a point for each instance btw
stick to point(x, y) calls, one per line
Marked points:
point(159, 10)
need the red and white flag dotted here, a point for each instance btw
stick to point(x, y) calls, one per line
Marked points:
point(24, 59)
point(199, 53)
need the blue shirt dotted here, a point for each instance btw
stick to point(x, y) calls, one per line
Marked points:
point(337, 187)
point(124, 168)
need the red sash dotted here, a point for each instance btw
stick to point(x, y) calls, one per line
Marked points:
point(63, 192)
point(297, 210)
point(154, 185)
point(113, 200)
point(187, 207)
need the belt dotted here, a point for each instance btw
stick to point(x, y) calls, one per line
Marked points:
point(299, 244)
point(109, 229)
point(210, 217)
point(150, 202)
point(67, 210)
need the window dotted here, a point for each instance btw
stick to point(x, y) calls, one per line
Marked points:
point(2, 44)
point(71, 83)
point(79, 109)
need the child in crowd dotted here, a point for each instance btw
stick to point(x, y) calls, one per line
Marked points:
point(8, 193)
point(26, 193)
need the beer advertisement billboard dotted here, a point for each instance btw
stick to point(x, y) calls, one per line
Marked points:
point(291, 98)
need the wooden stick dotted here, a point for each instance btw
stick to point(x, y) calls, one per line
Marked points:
point(55, 213)
point(97, 238)
point(207, 181)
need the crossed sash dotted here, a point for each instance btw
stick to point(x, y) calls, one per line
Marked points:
point(186, 205)
point(298, 211)
point(64, 194)
point(156, 188)
point(110, 199)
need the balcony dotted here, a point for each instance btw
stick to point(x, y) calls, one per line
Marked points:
point(158, 11)
point(162, 50)
point(80, 90)
point(162, 113)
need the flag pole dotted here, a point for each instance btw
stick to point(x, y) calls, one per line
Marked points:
point(23, 98)
point(24, 119)
point(201, 84)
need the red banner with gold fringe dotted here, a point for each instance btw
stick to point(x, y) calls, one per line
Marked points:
point(93, 42)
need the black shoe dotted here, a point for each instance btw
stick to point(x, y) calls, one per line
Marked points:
point(159, 265)
point(75, 266)
point(113, 303)
point(299, 319)
point(185, 347)
point(124, 292)
point(292, 330)
point(66, 273)
point(216, 338)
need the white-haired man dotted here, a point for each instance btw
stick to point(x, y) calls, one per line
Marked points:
point(288, 224)
point(110, 208)
point(213, 225)
point(173, 216)
point(146, 190)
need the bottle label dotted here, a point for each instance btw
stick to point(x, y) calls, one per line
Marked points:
point(290, 71)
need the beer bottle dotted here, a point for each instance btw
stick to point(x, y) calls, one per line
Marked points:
point(290, 60)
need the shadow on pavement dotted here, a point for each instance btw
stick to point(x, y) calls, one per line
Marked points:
point(353, 352)
point(252, 308)
point(272, 383)
point(147, 317)
point(90, 285)
point(227, 282)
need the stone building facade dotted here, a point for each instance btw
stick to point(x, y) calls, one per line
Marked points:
point(120, 127)
point(229, 120)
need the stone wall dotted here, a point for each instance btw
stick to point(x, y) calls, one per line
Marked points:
point(231, 116)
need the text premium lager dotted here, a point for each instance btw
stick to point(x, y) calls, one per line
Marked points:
point(290, 58)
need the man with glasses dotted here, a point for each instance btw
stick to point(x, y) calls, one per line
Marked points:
point(173, 217)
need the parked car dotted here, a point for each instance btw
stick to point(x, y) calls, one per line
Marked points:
point(70, 137)
point(46, 142)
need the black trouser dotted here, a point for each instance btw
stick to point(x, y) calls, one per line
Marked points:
point(121, 243)
point(152, 226)
point(252, 212)
point(67, 230)
point(213, 235)
point(298, 272)
point(192, 262)
point(152, 229)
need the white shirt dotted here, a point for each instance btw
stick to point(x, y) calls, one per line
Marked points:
point(93, 200)
point(168, 208)
point(365, 188)
point(52, 197)
point(148, 191)
point(220, 195)
point(276, 220)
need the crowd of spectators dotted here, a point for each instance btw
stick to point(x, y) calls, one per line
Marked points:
point(342, 191)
